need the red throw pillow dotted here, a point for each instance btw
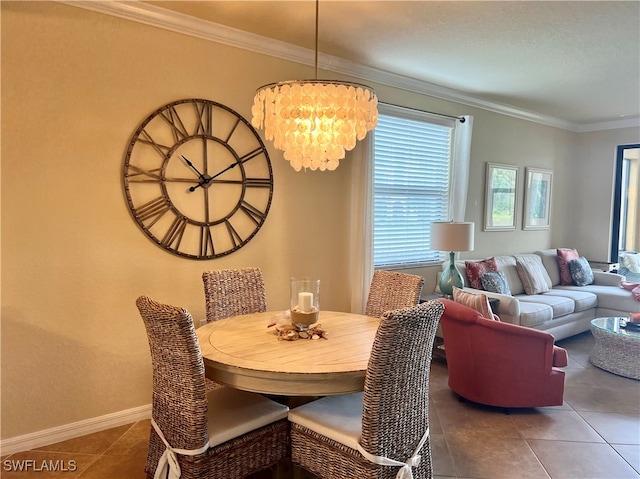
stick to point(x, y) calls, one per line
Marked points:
point(475, 269)
point(564, 256)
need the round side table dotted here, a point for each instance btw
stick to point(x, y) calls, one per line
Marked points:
point(617, 349)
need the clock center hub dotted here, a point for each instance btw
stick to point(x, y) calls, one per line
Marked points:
point(206, 181)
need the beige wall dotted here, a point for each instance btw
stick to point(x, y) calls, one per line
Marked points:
point(591, 200)
point(75, 85)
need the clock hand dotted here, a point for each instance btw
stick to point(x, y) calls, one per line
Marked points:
point(233, 165)
point(206, 180)
point(200, 175)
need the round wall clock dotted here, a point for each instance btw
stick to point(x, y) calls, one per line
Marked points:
point(197, 179)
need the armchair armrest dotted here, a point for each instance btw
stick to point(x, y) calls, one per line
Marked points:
point(560, 358)
point(523, 349)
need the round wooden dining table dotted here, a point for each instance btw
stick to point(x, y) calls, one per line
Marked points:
point(245, 353)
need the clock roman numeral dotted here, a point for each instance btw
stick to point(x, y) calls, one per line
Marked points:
point(251, 154)
point(145, 137)
point(254, 213)
point(204, 125)
point(170, 115)
point(140, 175)
point(236, 239)
point(153, 210)
point(173, 236)
point(206, 241)
point(258, 182)
point(233, 130)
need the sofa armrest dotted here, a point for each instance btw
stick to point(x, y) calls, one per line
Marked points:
point(560, 358)
point(602, 278)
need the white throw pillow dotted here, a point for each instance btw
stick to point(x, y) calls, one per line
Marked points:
point(534, 277)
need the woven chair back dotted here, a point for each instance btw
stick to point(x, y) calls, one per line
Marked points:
point(396, 395)
point(392, 290)
point(179, 404)
point(232, 292)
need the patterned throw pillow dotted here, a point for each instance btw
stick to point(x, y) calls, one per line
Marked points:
point(479, 302)
point(496, 282)
point(581, 271)
point(475, 269)
point(564, 256)
point(532, 274)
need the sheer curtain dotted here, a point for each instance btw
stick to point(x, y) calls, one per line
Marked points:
point(361, 223)
point(362, 205)
point(460, 168)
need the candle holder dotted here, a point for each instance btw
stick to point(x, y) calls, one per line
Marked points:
point(305, 301)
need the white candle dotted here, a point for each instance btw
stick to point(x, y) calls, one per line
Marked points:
point(305, 302)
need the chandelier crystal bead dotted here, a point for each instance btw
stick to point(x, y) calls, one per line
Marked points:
point(314, 122)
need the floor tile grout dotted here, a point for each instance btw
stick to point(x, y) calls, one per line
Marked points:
point(592, 393)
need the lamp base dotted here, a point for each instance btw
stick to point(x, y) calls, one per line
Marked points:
point(450, 277)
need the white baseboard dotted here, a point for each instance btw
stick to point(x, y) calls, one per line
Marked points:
point(73, 430)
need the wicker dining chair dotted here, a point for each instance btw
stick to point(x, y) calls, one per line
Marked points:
point(222, 433)
point(392, 290)
point(231, 292)
point(331, 436)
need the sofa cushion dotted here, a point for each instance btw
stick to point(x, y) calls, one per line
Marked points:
point(475, 269)
point(581, 271)
point(495, 282)
point(534, 277)
point(479, 302)
point(549, 259)
point(561, 305)
point(533, 314)
point(582, 300)
point(617, 299)
point(507, 264)
point(565, 255)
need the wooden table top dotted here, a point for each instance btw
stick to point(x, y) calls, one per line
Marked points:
point(244, 353)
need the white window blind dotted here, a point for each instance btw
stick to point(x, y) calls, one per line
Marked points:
point(412, 171)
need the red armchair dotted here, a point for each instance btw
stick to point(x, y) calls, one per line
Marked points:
point(501, 364)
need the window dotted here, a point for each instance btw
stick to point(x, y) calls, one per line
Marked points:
point(626, 206)
point(624, 203)
point(411, 184)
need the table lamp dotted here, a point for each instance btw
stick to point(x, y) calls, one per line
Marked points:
point(452, 237)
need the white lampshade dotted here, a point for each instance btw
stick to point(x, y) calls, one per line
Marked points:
point(450, 236)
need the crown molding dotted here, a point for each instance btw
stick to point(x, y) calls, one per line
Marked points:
point(196, 27)
point(632, 122)
point(214, 32)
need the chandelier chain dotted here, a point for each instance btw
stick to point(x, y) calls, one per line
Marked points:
point(314, 122)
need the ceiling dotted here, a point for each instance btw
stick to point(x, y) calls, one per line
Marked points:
point(577, 61)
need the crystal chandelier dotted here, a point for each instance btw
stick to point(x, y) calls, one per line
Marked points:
point(315, 121)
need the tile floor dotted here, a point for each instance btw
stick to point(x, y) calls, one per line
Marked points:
point(594, 435)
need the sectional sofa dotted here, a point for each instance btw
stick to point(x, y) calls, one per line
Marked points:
point(562, 310)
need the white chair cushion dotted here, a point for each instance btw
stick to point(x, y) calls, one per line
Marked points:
point(336, 417)
point(233, 413)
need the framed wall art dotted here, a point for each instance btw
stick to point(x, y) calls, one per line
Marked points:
point(500, 197)
point(537, 199)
